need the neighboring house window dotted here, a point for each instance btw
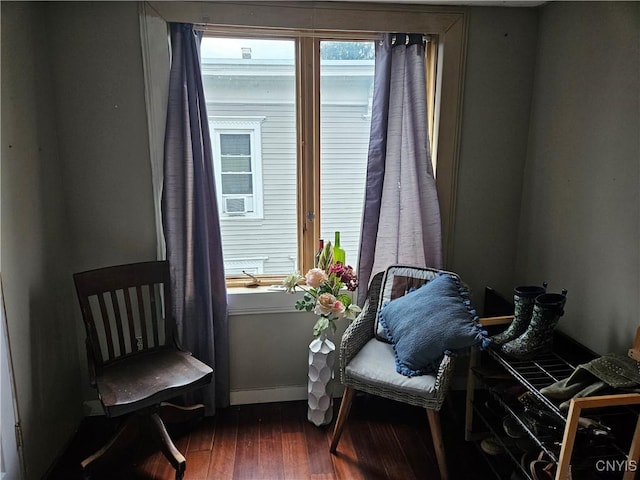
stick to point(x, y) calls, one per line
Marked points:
point(238, 166)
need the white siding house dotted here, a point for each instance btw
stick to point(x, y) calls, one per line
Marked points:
point(252, 116)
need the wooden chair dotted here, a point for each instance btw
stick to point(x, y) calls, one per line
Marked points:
point(367, 364)
point(134, 360)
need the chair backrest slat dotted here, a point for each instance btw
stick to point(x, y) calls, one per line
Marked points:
point(137, 315)
point(117, 320)
point(106, 325)
point(130, 318)
point(143, 320)
point(154, 314)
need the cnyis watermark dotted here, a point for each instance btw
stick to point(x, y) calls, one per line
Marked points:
point(616, 465)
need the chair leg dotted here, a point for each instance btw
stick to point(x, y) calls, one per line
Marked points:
point(345, 407)
point(136, 425)
point(125, 435)
point(438, 445)
point(161, 436)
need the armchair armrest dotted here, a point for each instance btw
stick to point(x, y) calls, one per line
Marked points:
point(491, 321)
point(444, 375)
point(357, 334)
point(361, 330)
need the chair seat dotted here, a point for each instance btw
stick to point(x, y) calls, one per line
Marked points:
point(147, 379)
point(375, 365)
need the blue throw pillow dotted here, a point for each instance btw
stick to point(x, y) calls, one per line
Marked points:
point(426, 323)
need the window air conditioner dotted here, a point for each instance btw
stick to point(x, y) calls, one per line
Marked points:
point(235, 205)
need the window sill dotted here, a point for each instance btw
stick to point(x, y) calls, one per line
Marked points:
point(261, 300)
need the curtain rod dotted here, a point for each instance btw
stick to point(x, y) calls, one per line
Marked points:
point(409, 38)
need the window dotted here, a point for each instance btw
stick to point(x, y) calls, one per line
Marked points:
point(290, 23)
point(236, 173)
point(250, 90)
point(346, 95)
point(240, 266)
point(279, 189)
point(238, 166)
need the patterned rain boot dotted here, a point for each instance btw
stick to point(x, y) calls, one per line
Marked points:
point(538, 338)
point(523, 300)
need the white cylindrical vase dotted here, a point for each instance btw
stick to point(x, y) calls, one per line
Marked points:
point(322, 355)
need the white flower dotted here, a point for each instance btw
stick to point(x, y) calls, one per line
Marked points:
point(291, 281)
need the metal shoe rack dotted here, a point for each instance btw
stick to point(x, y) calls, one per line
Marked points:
point(555, 432)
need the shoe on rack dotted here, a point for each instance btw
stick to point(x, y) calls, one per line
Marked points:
point(491, 446)
point(526, 459)
point(538, 337)
point(512, 427)
point(542, 469)
point(494, 407)
point(592, 428)
point(539, 427)
point(535, 411)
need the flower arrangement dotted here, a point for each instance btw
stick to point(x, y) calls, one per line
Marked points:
point(324, 295)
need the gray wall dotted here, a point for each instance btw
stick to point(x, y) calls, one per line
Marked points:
point(102, 127)
point(76, 185)
point(36, 245)
point(96, 60)
point(495, 123)
point(76, 193)
point(580, 203)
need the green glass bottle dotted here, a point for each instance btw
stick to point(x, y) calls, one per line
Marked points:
point(338, 252)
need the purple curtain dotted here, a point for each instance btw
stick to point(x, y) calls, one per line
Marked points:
point(190, 220)
point(401, 218)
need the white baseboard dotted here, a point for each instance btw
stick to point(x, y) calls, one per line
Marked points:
point(269, 395)
point(276, 394)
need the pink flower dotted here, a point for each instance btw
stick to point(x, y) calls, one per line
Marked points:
point(328, 304)
point(315, 277)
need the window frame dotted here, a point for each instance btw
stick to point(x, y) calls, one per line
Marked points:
point(449, 24)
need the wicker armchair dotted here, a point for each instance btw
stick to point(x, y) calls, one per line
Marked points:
point(367, 364)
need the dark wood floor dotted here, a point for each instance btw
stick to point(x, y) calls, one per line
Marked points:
point(382, 440)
